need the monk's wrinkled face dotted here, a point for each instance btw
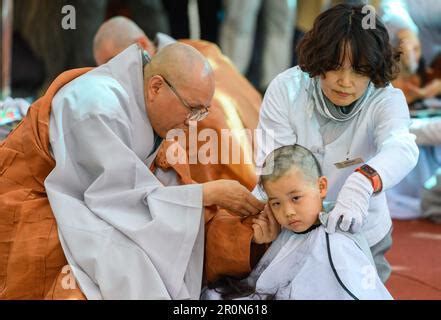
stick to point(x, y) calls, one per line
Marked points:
point(344, 85)
point(169, 106)
point(296, 202)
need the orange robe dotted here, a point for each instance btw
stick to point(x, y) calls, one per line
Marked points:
point(31, 256)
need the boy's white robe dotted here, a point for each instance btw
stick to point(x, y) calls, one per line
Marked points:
point(124, 234)
point(301, 268)
point(297, 267)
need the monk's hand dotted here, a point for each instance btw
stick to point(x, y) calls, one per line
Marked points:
point(231, 195)
point(265, 227)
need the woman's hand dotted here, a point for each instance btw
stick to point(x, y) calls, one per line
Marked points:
point(231, 195)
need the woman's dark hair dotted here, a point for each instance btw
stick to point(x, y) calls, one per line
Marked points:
point(323, 48)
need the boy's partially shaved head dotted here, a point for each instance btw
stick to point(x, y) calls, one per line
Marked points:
point(285, 158)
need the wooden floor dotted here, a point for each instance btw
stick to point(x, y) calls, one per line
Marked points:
point(416, 260)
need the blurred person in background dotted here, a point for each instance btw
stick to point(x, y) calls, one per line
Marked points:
point(209, 14)
point(47, 49)
point(415, 30)
point(238, 29)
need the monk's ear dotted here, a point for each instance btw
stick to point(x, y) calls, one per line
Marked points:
point(323, 186)
point(154, 84)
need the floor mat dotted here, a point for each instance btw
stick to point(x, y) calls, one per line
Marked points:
point(415, 257)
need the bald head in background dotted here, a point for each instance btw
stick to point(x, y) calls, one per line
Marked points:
point(115, 35)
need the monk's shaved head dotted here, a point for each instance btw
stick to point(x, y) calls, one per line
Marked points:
point(187, 71)
point(114, 36)
point(180, 64)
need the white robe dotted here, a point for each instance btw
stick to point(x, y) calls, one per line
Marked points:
point(297, 267)
point(404, 199)
point(124, 234)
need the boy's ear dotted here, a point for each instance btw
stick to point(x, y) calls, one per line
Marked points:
point(323, 186)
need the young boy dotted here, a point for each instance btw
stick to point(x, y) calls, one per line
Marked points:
point(304, 262)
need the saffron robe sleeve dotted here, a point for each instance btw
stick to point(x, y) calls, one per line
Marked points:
point(125, 235)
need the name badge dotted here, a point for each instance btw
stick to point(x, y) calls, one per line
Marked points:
point(348, 163)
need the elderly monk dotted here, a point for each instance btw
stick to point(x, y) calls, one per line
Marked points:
point(238, 101)
point(230, 246)
point(76, 172)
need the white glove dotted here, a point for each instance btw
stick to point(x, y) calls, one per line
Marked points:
point(352, 204)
